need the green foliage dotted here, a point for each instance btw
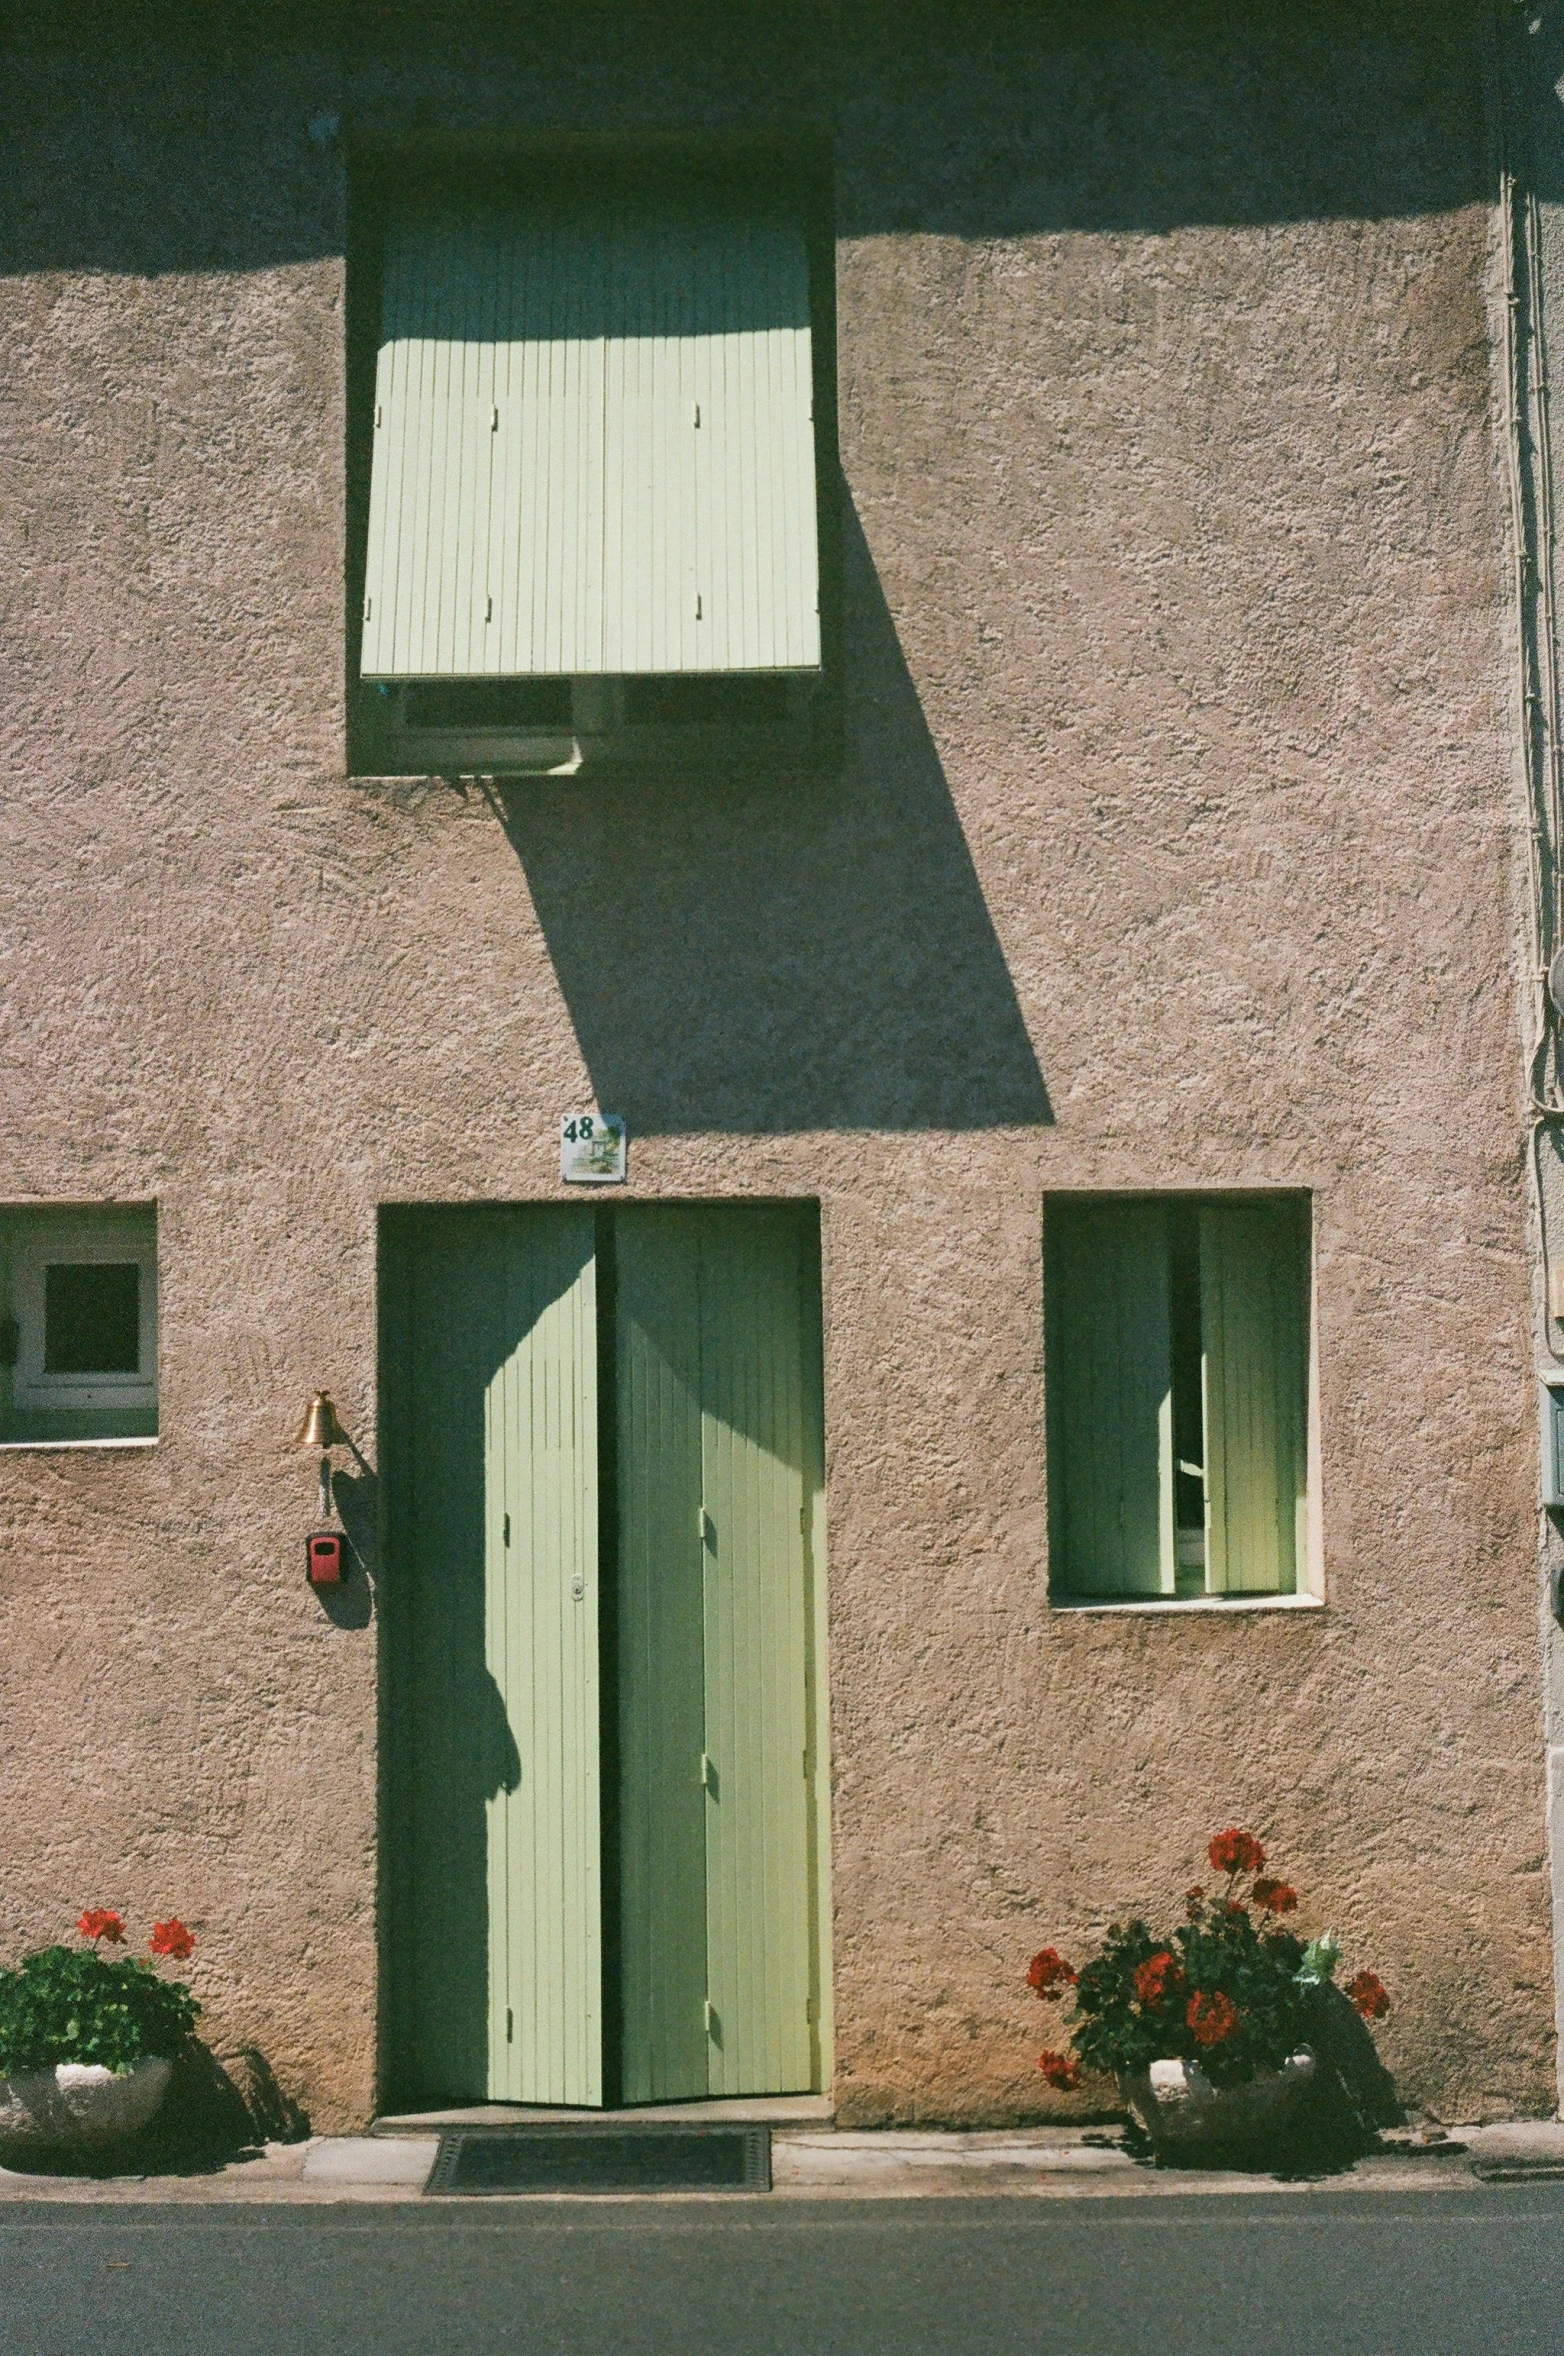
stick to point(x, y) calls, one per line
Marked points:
point(68, 2004)
point(1122, 2025)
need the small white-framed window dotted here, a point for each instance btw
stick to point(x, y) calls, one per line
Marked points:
point(82, 1326)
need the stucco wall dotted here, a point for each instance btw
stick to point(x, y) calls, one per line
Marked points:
point(1172, 849)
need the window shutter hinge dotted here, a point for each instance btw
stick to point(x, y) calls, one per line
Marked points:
point(488, 609)
point(709, 2016)
point(369, 607)
point(697, 417)
point(708, 1773)
point(697, 605)
point(380, 413)
point(494, 419)
point(510, 2026)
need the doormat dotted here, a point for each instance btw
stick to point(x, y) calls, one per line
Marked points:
point(584, 2157)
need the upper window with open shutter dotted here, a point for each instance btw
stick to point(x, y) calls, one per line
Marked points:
point(593, 456)
point(1177, 1373)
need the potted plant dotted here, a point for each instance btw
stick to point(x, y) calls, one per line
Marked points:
point(87, 2043)
point(1208, 2029)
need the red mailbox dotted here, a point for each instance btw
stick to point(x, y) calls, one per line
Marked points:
point(324, 1555)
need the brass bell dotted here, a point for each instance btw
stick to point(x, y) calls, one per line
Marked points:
point(320, 1428)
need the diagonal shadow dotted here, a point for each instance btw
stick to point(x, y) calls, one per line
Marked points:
point(788, 955)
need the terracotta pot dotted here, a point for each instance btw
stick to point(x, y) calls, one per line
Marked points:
point(78, 2106)
point(1186, 2116)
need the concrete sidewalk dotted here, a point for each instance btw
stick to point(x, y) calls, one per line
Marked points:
point(814, 2160)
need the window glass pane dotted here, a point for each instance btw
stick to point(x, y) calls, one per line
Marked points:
point(92, 1317)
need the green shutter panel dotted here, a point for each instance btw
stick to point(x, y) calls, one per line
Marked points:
point(545, 1956)
point(1254, 1370)
point(593, 444)
point(757, 1461)
point(661, 1650)
point(1110, 1399)
point(494, 1868)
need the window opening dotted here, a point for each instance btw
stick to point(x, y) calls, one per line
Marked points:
point(1177, 1393)
point(91, 1317)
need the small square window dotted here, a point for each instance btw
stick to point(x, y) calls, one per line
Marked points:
point(78, 1290)
point(1177, 1372)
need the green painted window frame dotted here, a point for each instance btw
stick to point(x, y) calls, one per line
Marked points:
point(1178, 1391)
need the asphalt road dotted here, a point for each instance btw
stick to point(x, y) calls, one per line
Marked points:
point(1476, 2272)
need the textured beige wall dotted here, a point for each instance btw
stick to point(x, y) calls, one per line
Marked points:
point(1172, 849)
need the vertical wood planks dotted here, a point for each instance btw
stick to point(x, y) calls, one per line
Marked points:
point(722, 1875)
point(545, 1837)
point(499, 1929)
point(662, 1828)
point(594, 447)
point(1110, 1399)
point(1255, 1376)
point(755, 1456)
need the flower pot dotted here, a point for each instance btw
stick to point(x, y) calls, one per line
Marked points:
point(1188, 2118)
point(78, 2108)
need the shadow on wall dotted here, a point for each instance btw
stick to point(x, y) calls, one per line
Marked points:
point(1537, 74)
point(219, 2108)
point(783, 956)
point(186, 143)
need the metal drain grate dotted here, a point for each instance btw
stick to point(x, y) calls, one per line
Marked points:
point(611, 2158)
point(1516, 2170)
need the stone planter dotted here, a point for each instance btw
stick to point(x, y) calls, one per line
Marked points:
point(1189, 2119)
point(78, 2108)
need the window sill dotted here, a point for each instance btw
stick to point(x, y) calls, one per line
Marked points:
point(53, 1447)
point(1166, 1605)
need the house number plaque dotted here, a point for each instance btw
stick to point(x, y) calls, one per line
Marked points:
point(592, 1149)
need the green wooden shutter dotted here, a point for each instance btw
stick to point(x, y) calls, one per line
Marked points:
point(545, 1906)
point(756, 1462)
point(1254, 1370)
point(495, 1835)
point(722, 1864)
point(661, 1648)
point(593, 443)
point(1110, 1399)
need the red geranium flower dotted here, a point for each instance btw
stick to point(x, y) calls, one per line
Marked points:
point(1276, 1897)
point(171, 1938)
point(1157, 1977)
point(1212, 2017)
point(101, 1922)
point(1369, 1993)
point(1061, 2070)
point(1235, 1852)
point(1050, 1975)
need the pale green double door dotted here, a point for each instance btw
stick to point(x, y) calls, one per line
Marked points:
point(605, 1820)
